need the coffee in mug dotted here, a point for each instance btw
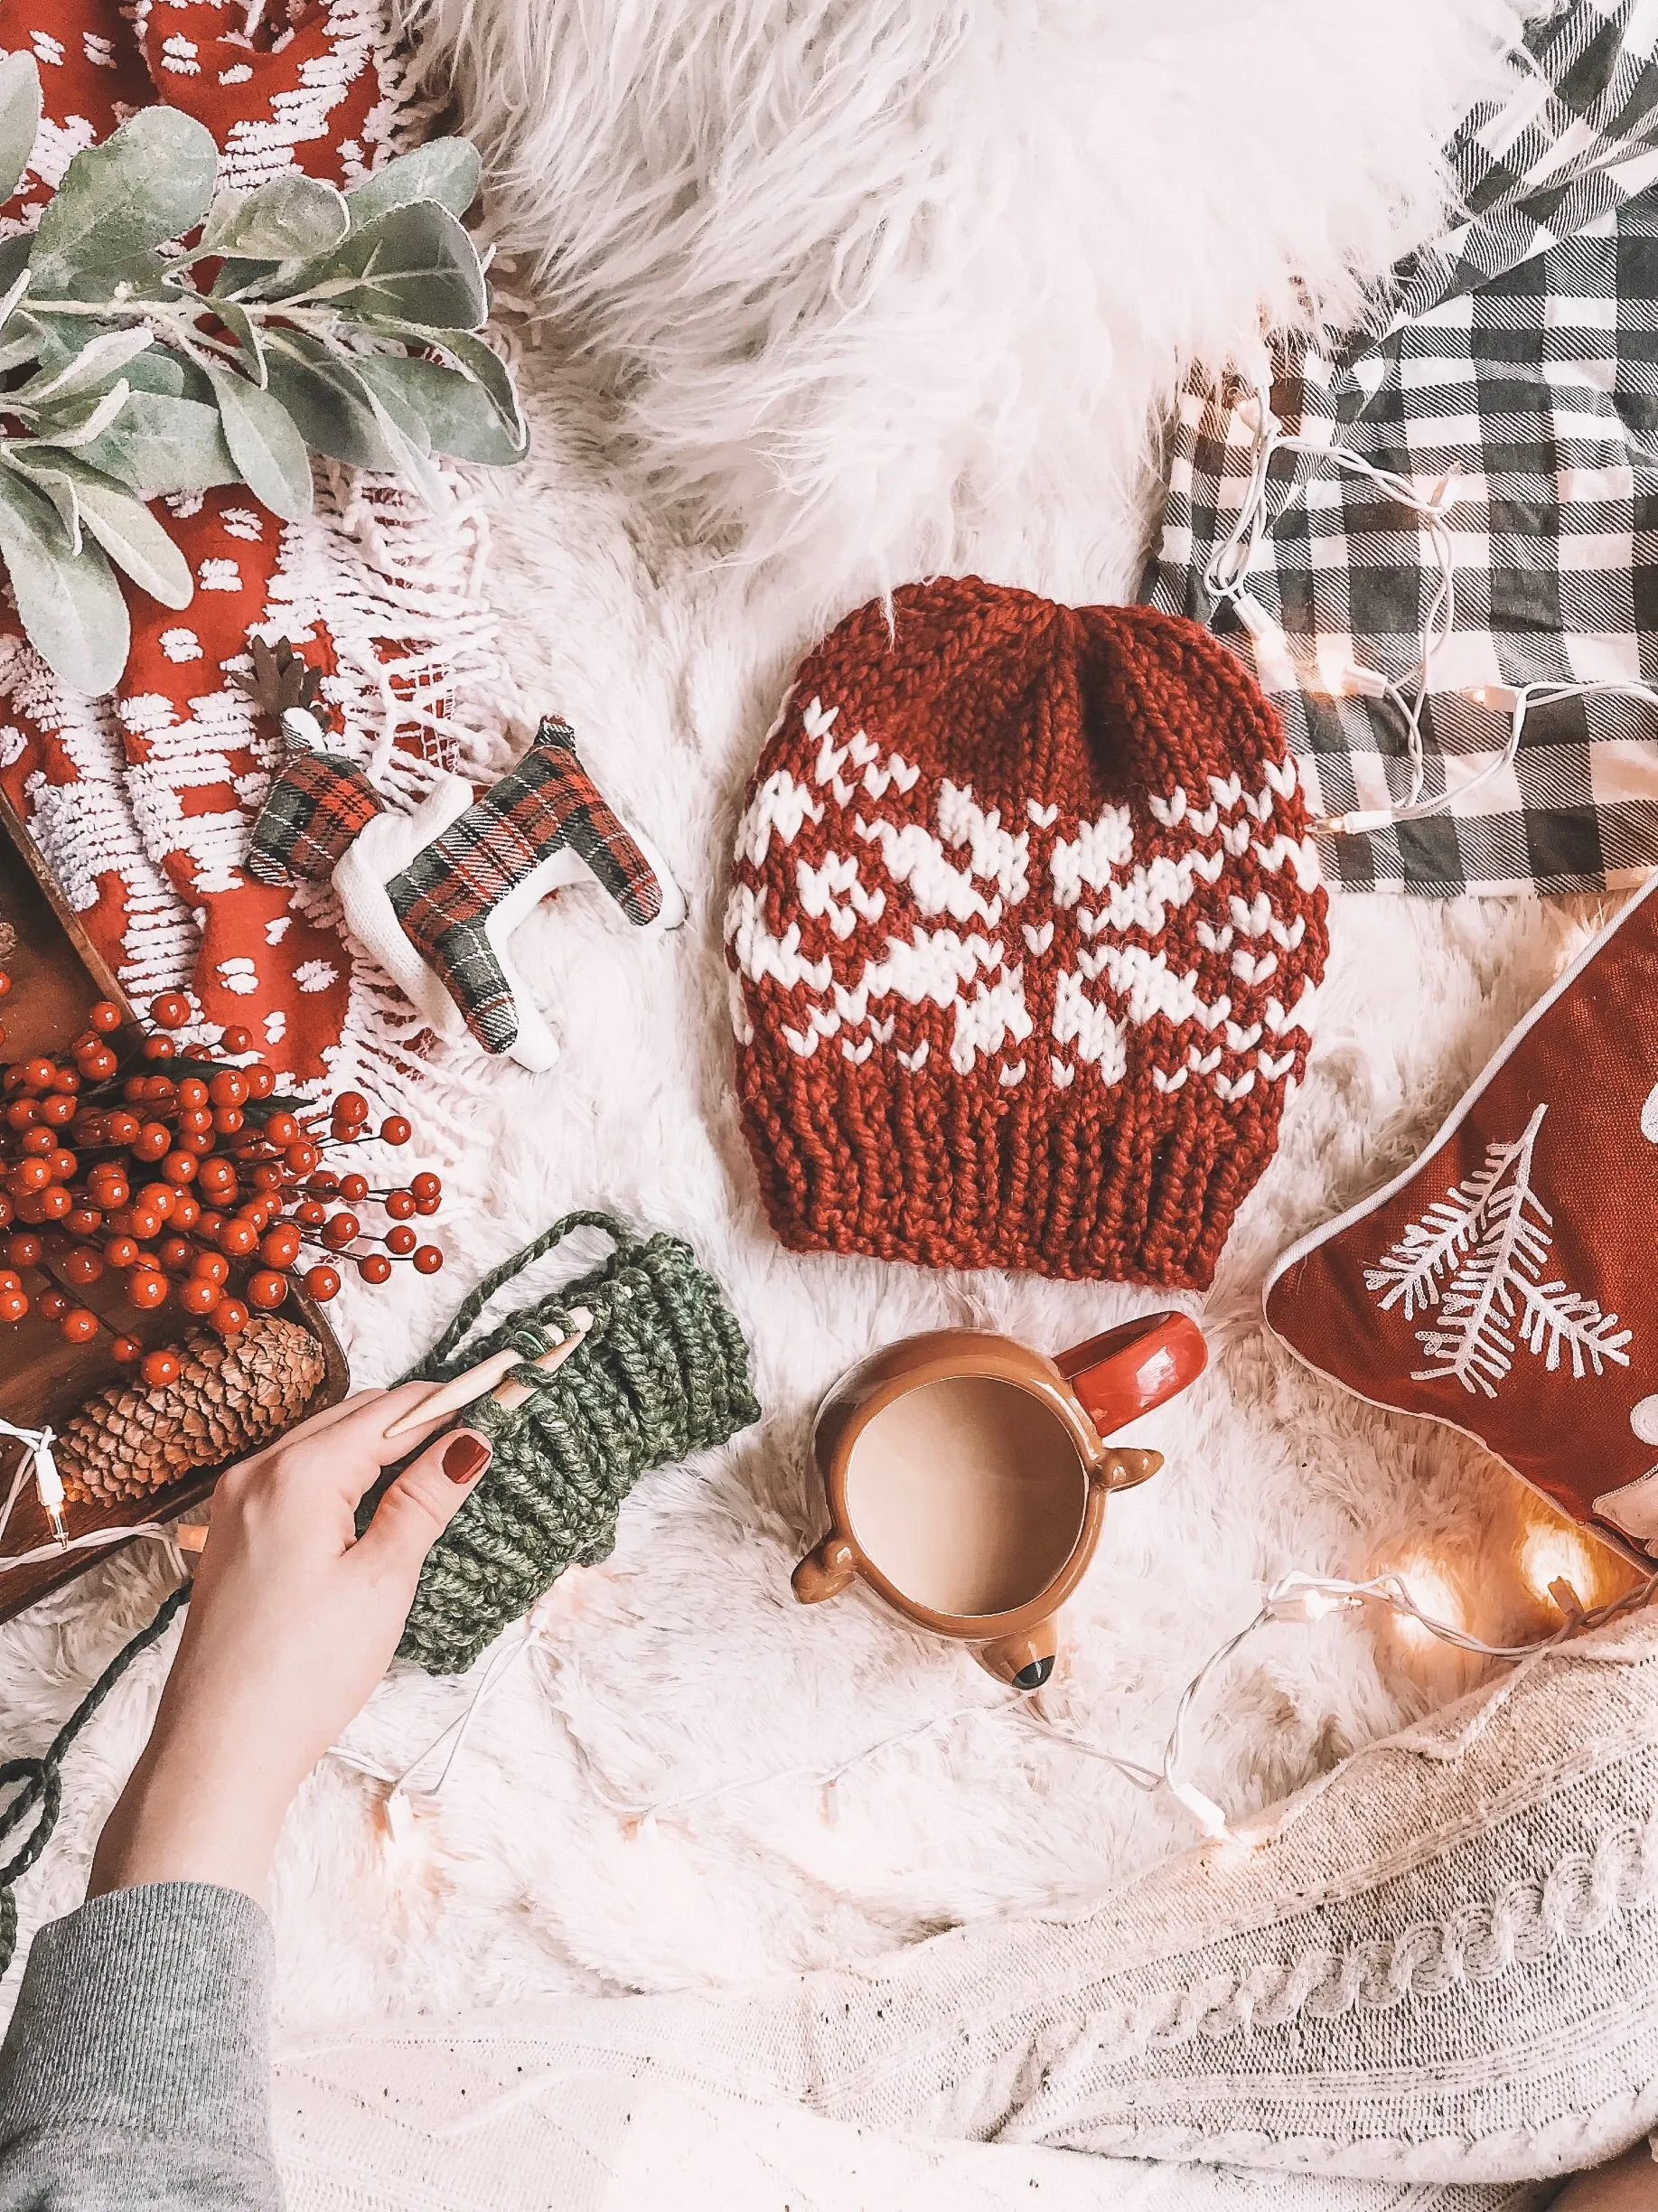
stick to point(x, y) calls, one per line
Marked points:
point(966, 1476)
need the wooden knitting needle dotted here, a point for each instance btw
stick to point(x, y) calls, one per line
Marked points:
point(465, 1387)
point(191, 1536)
point(477, 1380)
point(515, 1394)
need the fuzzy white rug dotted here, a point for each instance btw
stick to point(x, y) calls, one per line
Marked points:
point(1075, 198)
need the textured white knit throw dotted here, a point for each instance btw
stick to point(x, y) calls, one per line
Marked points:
point(1438, 1964)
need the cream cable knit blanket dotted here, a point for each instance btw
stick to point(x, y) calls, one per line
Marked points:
point(1437, 1977)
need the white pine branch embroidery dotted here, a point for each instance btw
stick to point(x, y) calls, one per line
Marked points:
point(1479, 1255)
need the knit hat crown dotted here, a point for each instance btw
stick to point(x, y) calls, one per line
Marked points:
point(1023, 931)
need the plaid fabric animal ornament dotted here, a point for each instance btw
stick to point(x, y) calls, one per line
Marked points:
point(1503, 1285)
point(1491, 428)
point(436, 895)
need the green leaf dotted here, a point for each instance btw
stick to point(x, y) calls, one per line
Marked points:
point(416, 261)
point(69, 604)
point(49, 340)
point(25, 341)
point(132, 536)
point(455, 412)
point(476, 358)
point(292, 219)
point(99, 361)
point(327, 400)
point(265, 444)
point(53, 481)
point(388, 397)
point(80, 427)
point(411, 451)
point(20, 117)
point(443, 169)
point(236, 275)
point(161, 371)
point(12, 293)
point(219, 224)
point(159, 443)
point(124, 526)
point(246, 332)
point(142, 276)
point(146, 183)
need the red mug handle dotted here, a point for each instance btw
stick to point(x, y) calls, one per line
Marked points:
point(1130, 1370)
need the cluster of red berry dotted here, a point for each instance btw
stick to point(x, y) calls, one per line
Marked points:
point(189, 1176)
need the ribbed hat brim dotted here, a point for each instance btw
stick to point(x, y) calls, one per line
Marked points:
point(916, 1168)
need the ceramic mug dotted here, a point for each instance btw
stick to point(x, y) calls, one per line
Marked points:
point(966, 1476)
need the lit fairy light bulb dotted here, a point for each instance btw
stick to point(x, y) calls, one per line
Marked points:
point(1318, 1604)
point(403, 1842)
point(1430, 1589)
point(397, 1823)
point(1309, 1597)
point(1554, 1552)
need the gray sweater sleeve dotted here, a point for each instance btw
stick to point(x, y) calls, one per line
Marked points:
point(135, 2074)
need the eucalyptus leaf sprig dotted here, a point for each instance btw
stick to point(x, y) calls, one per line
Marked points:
point(159, 335)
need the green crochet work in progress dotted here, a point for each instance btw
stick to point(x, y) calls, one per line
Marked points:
point(662, 1372)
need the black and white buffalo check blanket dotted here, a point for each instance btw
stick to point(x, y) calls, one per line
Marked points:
point(1519, 352)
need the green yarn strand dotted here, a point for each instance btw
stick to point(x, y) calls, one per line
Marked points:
point(662, 1372)
point(37, 1783)
point(439, 1364)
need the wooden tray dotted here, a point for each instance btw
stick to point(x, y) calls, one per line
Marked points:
point(56, 974)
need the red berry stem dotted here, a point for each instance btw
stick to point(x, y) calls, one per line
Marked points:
point(184, 1168)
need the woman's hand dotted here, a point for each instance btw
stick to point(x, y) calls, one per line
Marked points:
point(292, 1622)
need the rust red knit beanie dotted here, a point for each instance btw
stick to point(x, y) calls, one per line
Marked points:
point(1024, 929)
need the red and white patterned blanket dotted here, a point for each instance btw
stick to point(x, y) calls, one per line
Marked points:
point(141, 802)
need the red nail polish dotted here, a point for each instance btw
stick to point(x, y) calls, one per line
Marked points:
point(464, 1458)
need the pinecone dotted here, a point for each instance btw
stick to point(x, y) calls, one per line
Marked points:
point(231, 1393)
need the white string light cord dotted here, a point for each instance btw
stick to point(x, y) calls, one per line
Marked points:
point(38, 1464)
point(1306, 1598)
point(1297, 1598)
point(1279, 667)
point(400, 1789)
point(640, 1820)
point(1229, 567)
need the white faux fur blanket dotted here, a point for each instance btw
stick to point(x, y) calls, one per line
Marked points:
point(875, 286)
point(872, 286)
